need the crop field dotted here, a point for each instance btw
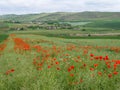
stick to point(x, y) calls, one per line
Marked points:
point(60, 51)
point(77, 23)
point(114, 24)
point(74, 34)
point(34, 60)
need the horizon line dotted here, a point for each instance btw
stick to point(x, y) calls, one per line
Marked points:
point(58, 12)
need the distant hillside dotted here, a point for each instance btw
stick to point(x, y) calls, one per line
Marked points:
point(105, 24)
point(63, 16)
point(26, 17)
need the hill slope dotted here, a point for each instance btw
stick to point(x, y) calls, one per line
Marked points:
point(64, 16)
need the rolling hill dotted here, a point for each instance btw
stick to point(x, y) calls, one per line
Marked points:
point(63, 16)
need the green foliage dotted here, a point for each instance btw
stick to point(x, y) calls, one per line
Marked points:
point(3, 37)
point(104, 24)
point(51, 22)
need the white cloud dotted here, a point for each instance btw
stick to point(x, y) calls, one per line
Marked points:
point(38, 6)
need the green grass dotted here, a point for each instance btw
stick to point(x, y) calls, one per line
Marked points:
point(111, 24)
point(71, 34)
point(34, 70)
point(3, 37)
point(27, 76)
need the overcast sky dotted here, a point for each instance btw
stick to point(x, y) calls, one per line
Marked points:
point(39, 6)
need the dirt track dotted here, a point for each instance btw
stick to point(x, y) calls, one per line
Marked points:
point(106, 34)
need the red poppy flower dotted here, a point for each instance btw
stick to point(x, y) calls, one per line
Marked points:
point(100, 73)
point(57, 63)
point(71, 75)
point(95, 65)
point(84, 65)
point(49, 66)
point(115, 66)
point(115, 73)
point(109, 75)
point(91, 69)
point(69, 69)
point(72, 67)
point(108, 66)
point(101, 57)
point(12, 70)
point(54, 59)
point(78, 57)
point(91, 55)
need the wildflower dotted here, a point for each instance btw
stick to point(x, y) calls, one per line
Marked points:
point(91, 69)
point(100, 73)
point(106, 58)
point(96, 57)
point(91, 55)
point(67, 54)
point(78, 57)
point(71, 75)
point(101, 57)
point(69, 69)
point(54, 59)
point(115, 73)
point(49, 66)
point(91, 59)
point(57, 63)
point(95, 65)
point(109, 75)
point(108, 66)
point(85, 52)
point(72, 67)
point(8, 72)
point(34, 62)
point(84, 65)
point(115, 66)
point(12, 70)
point(81, 80)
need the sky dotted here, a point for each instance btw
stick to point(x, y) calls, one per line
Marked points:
point(42, 6)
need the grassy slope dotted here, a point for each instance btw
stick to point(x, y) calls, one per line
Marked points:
point(112, 24)
point(26, 18)
point(64, 16)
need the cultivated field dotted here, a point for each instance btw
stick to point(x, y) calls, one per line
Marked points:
point(60, 51)
point(35, 61)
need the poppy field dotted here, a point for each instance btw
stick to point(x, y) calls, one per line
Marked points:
point(36, 62)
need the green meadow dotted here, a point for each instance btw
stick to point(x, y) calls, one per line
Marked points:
point(72, 51)
point(32, 70)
